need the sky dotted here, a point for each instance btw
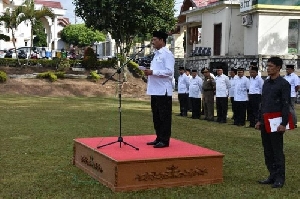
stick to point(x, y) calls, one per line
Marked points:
point(68, 5)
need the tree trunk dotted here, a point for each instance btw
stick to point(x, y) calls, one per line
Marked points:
point(31, 41)
point(14, 43)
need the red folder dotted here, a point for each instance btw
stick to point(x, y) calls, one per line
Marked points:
point(268, 116)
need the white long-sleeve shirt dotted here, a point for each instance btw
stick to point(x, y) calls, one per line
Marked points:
point(293, 79)
point(256, 85)
point(241, 89)
point(222, 85)
point(183, 83)
point(195, 87)
point(162, 65)
point(232, 84)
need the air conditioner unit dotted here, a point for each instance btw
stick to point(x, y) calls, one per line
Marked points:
point(247, 20)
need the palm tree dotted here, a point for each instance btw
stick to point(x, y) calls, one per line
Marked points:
point(33, 15)
point(12, 19)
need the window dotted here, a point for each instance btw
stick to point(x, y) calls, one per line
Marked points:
point(293, 36)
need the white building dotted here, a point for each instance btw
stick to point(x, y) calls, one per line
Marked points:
point(52, 27)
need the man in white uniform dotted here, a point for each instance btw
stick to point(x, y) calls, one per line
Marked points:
point(183, 91)
point(293, 79)
point(195, 94)
point(241, 97)
point(232, 78)
point(222, 87)
point(159, 86)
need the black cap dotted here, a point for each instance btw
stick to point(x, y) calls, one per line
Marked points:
point(204, 70)
point(292, 66)
point(233, 69)
point(253, 63)
point(254, 68)
point(188, 69)
point(219, 67)
point(181, 68)
point(240, 69)
point(194, 70)
point(160, 34)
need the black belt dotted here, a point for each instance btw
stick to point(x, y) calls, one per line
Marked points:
point(208, 89)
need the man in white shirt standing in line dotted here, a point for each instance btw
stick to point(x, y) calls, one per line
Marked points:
point(222, 87)
point(183, 91)
point(195, 94)
point(255, 89)
point(293, 79)
point(232, 79)
point(188, 73)
point(241, 97)
point(159, 86)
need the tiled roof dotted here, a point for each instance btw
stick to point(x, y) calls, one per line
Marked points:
point(49, 4)
point(202, 3)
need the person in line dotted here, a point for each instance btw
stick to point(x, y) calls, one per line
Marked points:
point(159, 87)
point(188, 73)
point(275, 98)
point(222, 87)
point(294, 81)
point(232, 78)
point(183, 92)
point(255, 89)
point(208, 93)
point(241, 97)
point(195, 94)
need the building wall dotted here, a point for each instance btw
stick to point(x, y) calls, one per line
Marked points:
point(273, 34)
point(251, 37)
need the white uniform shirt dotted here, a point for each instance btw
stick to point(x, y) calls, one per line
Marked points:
point(232, 84)
point(162, 65)
point(195, 87)
point(293, 79)
point(183, 83)
point(222, 85)
point(256, 85)
point(241, 89)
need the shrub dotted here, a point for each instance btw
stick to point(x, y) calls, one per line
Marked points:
point(3, 77)
point(134, 69)
point(60, 74)
point(48, 75)
point(63, 65)
point(90, 59)
point(94, 76)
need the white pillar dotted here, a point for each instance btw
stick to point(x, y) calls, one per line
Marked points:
point(54, 35)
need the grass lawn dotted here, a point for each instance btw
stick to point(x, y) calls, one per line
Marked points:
point(37, 146)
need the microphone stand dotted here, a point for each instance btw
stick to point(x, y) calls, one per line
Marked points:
point(119, 70)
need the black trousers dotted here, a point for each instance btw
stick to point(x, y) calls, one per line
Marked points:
point(253, 106)
point(196, 107)
point(183, 102)
point(233, 108)
point(222, 108)
point(273, 153)
point(240, 112)
point(161, 107)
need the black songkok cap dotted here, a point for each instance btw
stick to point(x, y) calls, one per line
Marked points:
point(254, 68)
point(233, 69)
point(292, 66)
point(160, 34)
point(194, 70)
point(219, 67)
point(240, 69)
point(204, 70)
point(188, 69)
point(181, 68)
point(253, 63)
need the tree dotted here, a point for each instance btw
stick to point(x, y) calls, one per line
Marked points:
point(125, 19)
point(41, 37)
point(29, 12)
point(12, 19)
point(80, 35)
point(4, 37)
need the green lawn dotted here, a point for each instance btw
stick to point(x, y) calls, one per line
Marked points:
point(37, 139)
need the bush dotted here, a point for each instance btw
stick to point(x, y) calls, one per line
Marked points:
point(63, 65)
point(94, 76)
point(60, 74)
point(48, 75)
point(134, 69)
point(90, 59)
point(3, 77)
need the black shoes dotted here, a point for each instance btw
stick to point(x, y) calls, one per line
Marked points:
point(161, 145)
point(153, 143)
point(275, 184)
point(266, 181)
